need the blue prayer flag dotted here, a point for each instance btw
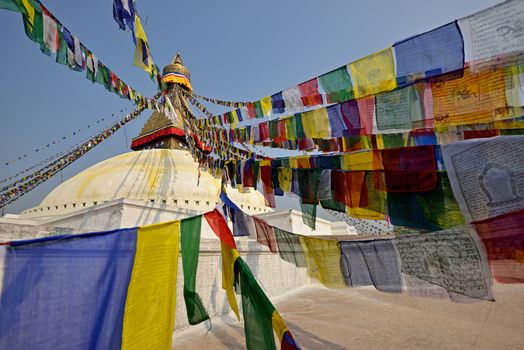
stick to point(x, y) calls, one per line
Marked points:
point(436, 52)
point(66, 292)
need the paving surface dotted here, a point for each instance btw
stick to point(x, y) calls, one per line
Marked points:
point(363, 318)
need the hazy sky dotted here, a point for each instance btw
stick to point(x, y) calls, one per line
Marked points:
point(238, 50)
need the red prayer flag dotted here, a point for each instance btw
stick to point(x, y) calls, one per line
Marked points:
point(309, 92)
point(265, 234)
point(503, 237)
point(219, 226)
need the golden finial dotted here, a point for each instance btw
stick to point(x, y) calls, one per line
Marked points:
point(177, 73)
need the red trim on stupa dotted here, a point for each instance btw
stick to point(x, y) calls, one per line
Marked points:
point(168, 131)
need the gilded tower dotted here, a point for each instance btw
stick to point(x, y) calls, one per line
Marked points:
point(160, 131)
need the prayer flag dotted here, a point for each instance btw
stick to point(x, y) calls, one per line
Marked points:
point(153, 282)
point(429, 54)
point(373, 262)
point(81, 276)
point(401, 109)
point(190, 247)
point(50, 31)
point(323, 261)
point(289, 247)
point(351, 117)
point(11, 5)
point(266, 106)
point(316, 123)
point(503, 237)
point(337, 85)
point(265, 234)
point(124, 14)
point(494, 32)
point(260, 316)
point(98, 288)
point(336, 123)
point(277, 101)
point(452, 259)
point(309, 93)
point(474, 98)
point(374, 73)
point(292, 99)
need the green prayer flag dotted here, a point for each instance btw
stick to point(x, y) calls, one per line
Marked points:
point(101, 77)
point(256, 168)
point(258, 110)
point(61, 54)
point(393, 140)
point(337, 85)
point(257, 310)
point(309, 214)
point(289, 247)
point(35, 30)
point(11, 5)
point(291, 128)
point(190, 242)
point(273, 129)
point(299, 128)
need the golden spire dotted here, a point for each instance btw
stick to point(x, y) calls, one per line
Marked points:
point(177, 73)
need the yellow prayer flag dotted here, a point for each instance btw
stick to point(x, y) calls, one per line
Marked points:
point(474, 98)
point(316, 123)
point(279, 326)
point(364, 213)
point(266, 105)
point(284, 178)
point(303, 162)
point(229, 255)
point(323, 261)
point(234, 119)
point(30, 10)
point(140, 37)
point(362, 160)
point(374, 73)
point(149, 315)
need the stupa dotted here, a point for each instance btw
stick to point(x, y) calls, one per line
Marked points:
point(159, 180)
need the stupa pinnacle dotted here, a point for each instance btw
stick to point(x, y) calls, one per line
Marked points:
point(160, 131)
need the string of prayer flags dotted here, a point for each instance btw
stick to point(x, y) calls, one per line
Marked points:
point(453, 259)
point(42, 27)
point(22, 186)
point(83, 276)
point(490, 36)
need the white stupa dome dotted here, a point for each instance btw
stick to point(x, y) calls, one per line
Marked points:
point(162, 176)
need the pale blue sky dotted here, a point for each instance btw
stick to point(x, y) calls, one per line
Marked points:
point(238, 50)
